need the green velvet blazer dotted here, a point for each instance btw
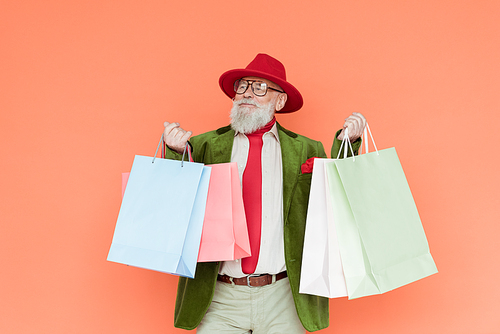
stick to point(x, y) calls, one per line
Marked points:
point(195, 295)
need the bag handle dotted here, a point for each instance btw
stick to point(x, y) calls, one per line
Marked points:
point(187, 148)
point(365, 139)
point(346, 142)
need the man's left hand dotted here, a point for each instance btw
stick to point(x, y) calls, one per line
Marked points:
point(355, 124)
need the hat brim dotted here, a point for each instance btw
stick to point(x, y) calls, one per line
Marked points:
point(294, 99)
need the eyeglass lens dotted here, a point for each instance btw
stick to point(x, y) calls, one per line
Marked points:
point(258, 88)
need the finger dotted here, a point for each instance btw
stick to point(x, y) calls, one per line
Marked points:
point(350, 124)
point(354, 132)
point(166, 124)
point(360, 115)
point(356, 125)
point(361, 119)
point(354, 128)
point(347, 121)
point(178, 134)
point(174, 138)
point(341, 134)
point(185, 137)
point(170, 126)
point(352, 119)
point(172, 133)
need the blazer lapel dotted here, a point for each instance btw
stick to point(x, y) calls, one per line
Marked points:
point(291, 152)
point(222, 146)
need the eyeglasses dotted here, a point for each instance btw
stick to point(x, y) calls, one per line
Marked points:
point(259, 88)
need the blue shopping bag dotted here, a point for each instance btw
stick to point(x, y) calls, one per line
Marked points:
point(161, 216)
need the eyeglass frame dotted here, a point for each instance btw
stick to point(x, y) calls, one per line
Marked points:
point(250, 84)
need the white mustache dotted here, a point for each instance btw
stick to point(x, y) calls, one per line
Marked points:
point(247, 101)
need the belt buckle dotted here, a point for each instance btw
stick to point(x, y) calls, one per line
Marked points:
point(248, 280)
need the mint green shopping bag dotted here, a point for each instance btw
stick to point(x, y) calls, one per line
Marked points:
point(381, 239)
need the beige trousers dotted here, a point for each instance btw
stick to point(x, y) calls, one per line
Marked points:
point(261, 310)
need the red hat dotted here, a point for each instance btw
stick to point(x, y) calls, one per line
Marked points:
point(267, 67)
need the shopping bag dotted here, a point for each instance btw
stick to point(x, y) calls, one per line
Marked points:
point(225, 233)
point(321, 272)
point(161, 216)
point(125, 177)
point(381, 239)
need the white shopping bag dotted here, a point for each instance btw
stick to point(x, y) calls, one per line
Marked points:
point(321, 273)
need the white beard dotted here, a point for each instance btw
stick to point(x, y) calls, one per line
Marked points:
point(248, 119)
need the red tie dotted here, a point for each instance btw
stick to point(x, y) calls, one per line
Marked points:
point(252, 196)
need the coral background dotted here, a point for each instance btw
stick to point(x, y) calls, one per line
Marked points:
point(86, 85)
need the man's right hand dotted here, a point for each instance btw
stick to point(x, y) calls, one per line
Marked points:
point(175, 137)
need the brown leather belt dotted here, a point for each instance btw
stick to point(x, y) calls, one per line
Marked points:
point(252, 281)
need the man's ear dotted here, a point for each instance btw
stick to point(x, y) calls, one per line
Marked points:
point(281, 101)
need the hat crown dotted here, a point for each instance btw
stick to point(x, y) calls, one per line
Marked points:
point(269, 65)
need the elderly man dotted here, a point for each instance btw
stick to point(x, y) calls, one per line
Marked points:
point(258, 294)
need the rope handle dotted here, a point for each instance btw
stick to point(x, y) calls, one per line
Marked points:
point(346, 142)
point(187, 148)
point(364, 137)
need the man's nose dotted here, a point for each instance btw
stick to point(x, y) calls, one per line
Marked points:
point(249, 92)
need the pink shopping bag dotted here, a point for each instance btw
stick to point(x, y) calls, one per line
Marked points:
point(124, 182)
point(225, 234)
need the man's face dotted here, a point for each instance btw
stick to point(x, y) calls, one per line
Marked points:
point(250, 112)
